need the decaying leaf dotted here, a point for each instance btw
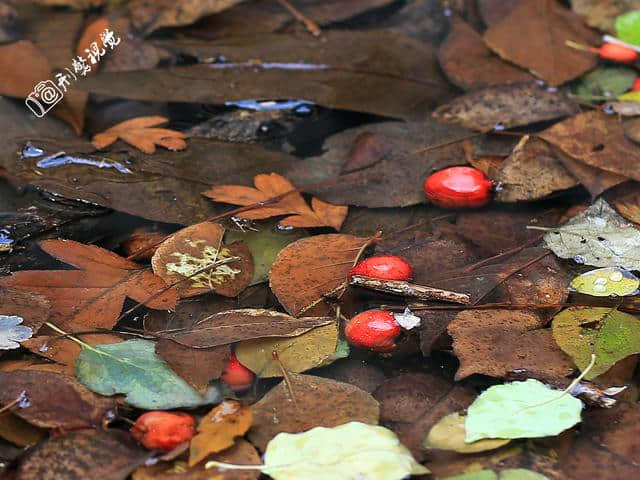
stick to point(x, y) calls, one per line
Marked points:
point(599, 237)
point(601, 14)
point(307, 401)
point(607, 333)
point(197, 257)
point(307, 270)
point(629, 208)
point(133, 368)
point(321, 214)
point(12, 333)
point(605, 282)
point(93, 295)
point(527, 409)
point(604, 82)
point(218, 430)
point(315, 348)
point(449, 434)
point(533, 36)
point(138, 132)
point(17, 431)
point(506, 105)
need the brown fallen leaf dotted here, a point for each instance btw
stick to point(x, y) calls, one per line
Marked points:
point(321, 214)
point(493, 11)
point(93, 295)
point(533, 36)
point(601, 14)
point(138, 133)
point(243, 324)
point(308, 269)
point(629, 207)
point(56, 400)
point(470, 65)
point(218, 430)
point(316, 402)
point(196, 257)
point(91, 34)
point(30, 306)
point(15, 430)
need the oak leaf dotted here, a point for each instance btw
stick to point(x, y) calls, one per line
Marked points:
point(137, 132)
point(268, 186)
point(93, 295)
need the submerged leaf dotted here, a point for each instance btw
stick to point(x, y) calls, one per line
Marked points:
point(12, 333)
point(137, 132)
point(449, 434)
point(606, 282)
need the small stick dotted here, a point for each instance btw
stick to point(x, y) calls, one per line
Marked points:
point(285, 375)
point(398, 287)
point(309, 24)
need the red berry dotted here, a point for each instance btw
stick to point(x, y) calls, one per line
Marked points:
point(236, 375)
point(159, 430)
point(636, 85)
point(374, 330)
point(617, 53)
point(383, 267)
point(458, 187)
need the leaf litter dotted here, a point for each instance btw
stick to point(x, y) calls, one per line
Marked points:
point(205, 276)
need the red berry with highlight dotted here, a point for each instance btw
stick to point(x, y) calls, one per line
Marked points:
point(374, 330)
point(383, 267)
point(617, 53)
point(160, 430)
point(458, 187)
point(636, 85)
point(237, 376)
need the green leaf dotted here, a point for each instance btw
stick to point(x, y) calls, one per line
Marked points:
point(630, 97)
point(604, 82)
point(449, 433)
point(605, 332)
point(526, 409)
point(508, 474)
point(628, 27)
point(605, 282)
point(133, 368)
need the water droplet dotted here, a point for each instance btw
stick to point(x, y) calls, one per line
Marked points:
point(600, 281)
point(303, 110)
point(613, 295)
point(284, 228)
point(608, 109)
point(264, 128)
point(23, 400)
point(579, 259)
point(149, 462)
point(552, 89)
point(616, 276)
point(498, 127)
point(498, 187)
point(447, 12)
point(220, 59)
point(43, 348)
point(30, 151)
point(599, 288)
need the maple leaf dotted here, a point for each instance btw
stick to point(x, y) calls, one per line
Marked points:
point(320, 214)
point(137, 132)
point(93, 295)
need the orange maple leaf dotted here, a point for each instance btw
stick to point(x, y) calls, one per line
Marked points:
point(138, 133)
point(268, 186)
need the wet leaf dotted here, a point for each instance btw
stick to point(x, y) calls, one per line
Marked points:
point(470, 65)
point(93, 295)
point(244, 324)
point(320, 214)
point(449, 434)
point(507, 474)
point(315, 348)
point(605, 282)
point(17, 431)
point(55, 400)
point(91, 34)
point(508, 105)
point(533, 36)
point(138, 133)
point(527, 409)
point(494, 11)
point(308, 269)
point(628, 27)
point(12, 333)
point(133, 368)
point(82, 455)
point(218, 430)
point(183, 256)
point(604, 82)
point(609, 334)
point(279, 412)
point(602, 14)
point(495, 342)
point(629, 208)
point(599, 237)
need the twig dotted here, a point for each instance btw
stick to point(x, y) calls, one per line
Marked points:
point(285, 375)
point(309, 24)
point(407, 289)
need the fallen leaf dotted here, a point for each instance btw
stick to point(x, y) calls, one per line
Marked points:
point(532, 172)
point(133, 368)
point(533, 36)
point(12, 333)
point(17, 431)
point(85, 454)
point(138, 133)
point(629, 208)
point(604, 82)
point(368, 149)
point(605, 282)
point(599, 237)
point(278, 412)
point(470, 65)
point(312, 349)
point(526, 409)
point(494, 11)
point(310, 268)
point(321, 214)
point(244, 324)
point(628, 26)
point(506, 105)
point(449, 434)
point(340, 452)
point(605, 332)
point(601, 14)
point(54, 400)
point(507, 474)
point(598, 140)
point(92, 34)
point(218, 430)
point(30, 306)
point(92, 296)
point(496, 342)
point(185, 253)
